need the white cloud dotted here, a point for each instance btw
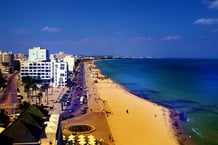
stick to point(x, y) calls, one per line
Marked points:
point(208, 21)
point(172, 37)
point(50, 29)
point(213, 5)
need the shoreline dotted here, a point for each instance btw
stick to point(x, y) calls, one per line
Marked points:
point(161, 126)
point(175, 118)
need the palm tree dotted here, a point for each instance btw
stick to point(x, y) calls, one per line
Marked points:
point(44, 88)
point(27, 90)
point(30, 83)
point(52, 80)
point(24, 105)
point(39, 96)
point(2, 82)
point(34, 88)
point(46, 94)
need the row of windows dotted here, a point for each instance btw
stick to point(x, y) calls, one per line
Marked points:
point(35, 74)
point(38, 67)
point(35, 70)
point(44, 77)
point(35, 67)
point(40, 74)
point(38, 64)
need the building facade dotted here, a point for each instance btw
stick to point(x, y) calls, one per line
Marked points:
point(37, 54)
point(49, 70)
point(6, 62)
point(70, 61)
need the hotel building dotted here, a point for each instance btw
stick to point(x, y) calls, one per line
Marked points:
point(49, 70)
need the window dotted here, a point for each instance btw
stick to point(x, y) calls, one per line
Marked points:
point(62, 67)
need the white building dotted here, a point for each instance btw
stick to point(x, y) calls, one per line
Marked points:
point(36, 69)
point(70, 61)
point(37, 54)
point(59, 70)
point(48, 70)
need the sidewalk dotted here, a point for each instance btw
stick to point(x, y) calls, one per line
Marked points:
point(54, 96)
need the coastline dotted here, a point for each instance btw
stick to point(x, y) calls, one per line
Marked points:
point(131, 121)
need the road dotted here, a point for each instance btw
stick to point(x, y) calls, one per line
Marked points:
point(74, 107)
point(8, 100)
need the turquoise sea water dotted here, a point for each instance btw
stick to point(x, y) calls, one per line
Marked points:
point(187, 85)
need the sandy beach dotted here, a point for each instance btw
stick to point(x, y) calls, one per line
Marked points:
point(132, 120)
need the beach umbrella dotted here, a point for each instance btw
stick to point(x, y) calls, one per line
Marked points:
point(82, 142)
point(71, 137)
point(91, 136)
point(81, 136)
point(91, 142)
point(81, 139)
point(92, 139)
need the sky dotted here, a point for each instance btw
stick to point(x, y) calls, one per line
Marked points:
point(148, 28)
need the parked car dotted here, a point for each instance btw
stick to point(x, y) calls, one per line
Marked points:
point(67, 116)
point(84, 110)
point(70, 110)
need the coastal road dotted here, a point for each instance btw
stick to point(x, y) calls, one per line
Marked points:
point(77, 91)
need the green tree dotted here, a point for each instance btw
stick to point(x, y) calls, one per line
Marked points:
point(39, 96)
point(30, 85)
point(2, 82)
point(24, 105)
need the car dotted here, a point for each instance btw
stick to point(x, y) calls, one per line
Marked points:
point(70, 110)
point(75, 103)
point(67, 103)
point(84, 110)
point(67, 116)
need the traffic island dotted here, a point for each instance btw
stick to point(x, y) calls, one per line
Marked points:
point(80, 128)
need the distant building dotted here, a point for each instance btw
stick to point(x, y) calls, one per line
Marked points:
point(70, 61)
point(49, 70)
point(37, 54)
point(6, 62)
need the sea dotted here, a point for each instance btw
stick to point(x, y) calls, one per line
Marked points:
point(187, 85)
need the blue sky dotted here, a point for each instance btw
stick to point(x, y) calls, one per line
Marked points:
point(167, 28)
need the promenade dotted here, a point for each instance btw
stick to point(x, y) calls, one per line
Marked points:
point(94, 115)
